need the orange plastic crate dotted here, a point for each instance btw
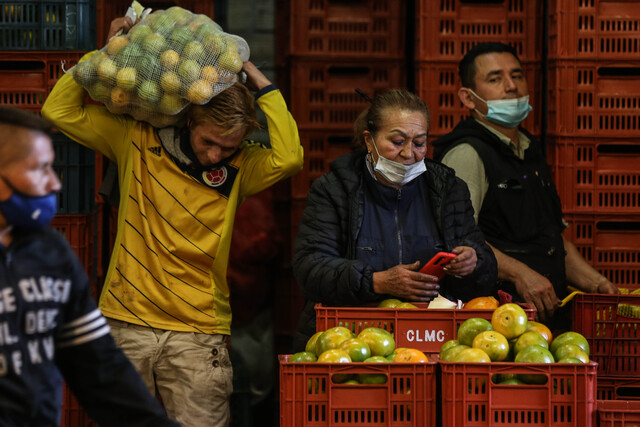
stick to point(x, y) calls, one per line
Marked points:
point(471, 398)
point(323, 93)
point(353, 29)
point(422, 329)
point(611, 244)
point(619, 413)
point(614, 339)
point(594, 29)
point(597, 175)
point(26, 78)
point(594, 98)
point(438, 84)
point(309, 398)
point(617, 388)
point(320, 149)
point(448, 29)
point(73, 415)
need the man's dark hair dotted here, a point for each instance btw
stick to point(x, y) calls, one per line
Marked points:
point(21, 118)
point(467, 67)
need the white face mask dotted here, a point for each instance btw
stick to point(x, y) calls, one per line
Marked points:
point(397, 173)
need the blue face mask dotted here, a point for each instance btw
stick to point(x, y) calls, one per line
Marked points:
point(24, 211)
point(506, 112)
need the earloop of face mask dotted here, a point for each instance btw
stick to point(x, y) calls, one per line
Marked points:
point(394, 172)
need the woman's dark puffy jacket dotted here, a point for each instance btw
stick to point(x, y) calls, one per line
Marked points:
point(324, 261)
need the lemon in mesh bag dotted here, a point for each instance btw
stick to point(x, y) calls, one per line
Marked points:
point(168, 61)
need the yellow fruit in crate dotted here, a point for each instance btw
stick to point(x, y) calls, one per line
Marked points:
point(527, 339)
point(472, 327)
point(380, 342)
point(170, 59)
point(170, 82)
point(493, 343)
point(331, 339)
point(540, 328)
point(334, 355)
point(116, 44)
point(411, 355)
point(510, 320)
point(482, 303)
point(450, 354)
point(407, 305)
point(200, 92)
point(303, 357)
point(569, 338)
point(209, 74)
point(311, 343)
point(472, 355)
point(571, 351)
point(126, 78)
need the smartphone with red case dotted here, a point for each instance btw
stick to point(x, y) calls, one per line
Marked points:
point(436, 264)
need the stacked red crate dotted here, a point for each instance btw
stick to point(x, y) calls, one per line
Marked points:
point(446, 30)
point(594, 118)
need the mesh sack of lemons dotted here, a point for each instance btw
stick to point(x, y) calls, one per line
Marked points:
point(168, 61)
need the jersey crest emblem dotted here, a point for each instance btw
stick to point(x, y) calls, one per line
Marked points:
point(215, 177)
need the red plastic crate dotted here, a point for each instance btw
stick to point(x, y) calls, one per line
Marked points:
point(610, 244)
point(594, 29)
point(309, 398)
point(619, 413)
point(448, 29)
point(438, 84)
point(614, 340)
point(616, 388)
point(355, 29)
point(323, 93)
point(26, 78)
point(471, 398)
point(72, 413)
point(79, 231)
point(597, 175)
point(320, 149)
point(594, 98)
point(422, 329)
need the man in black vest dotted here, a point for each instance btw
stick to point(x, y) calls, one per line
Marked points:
point(515, 200)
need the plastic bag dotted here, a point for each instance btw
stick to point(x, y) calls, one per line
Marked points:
point(169, 60)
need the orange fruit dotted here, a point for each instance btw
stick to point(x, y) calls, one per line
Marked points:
point(200, 92)
point(210, 74)
point(527, 339)
point(331, 339)
point(569, 338)
point(540, 328)
point(473, 355)
point(115, 44)
point(411, 355)
point(493, 343)
point(472, 327)
point(510, 320)
point(482, 303)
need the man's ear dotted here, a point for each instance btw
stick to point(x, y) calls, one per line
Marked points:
point(467, 98)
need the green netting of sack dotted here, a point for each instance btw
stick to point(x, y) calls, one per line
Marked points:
point(168, 61)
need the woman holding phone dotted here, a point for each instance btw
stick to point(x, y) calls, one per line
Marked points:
point(381, 213)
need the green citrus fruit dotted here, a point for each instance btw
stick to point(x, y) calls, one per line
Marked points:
point(472, 327)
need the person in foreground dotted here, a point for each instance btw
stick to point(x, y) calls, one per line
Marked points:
point(166, 293)
point(50, 327)
point(515, 200)
point(381, 213)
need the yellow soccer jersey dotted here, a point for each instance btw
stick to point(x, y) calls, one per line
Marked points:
point(169, 263)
